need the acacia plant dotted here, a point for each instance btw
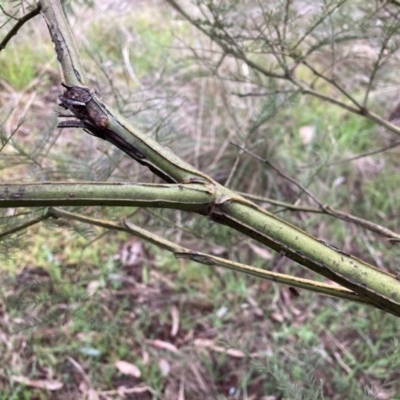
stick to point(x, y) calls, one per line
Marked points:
point(285, 49)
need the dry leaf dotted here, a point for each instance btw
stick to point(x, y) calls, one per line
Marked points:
point(278, 317)
point(181, 395)
point(338, 181)
point(145, 357)
point(92, 287)
point(175, 321)
point(92, 395)
point(369, 166)
point(137, 389)
point(231, 352)
point(127, 368)
point(41, 384)
point(161, 344)
point(131, 253)
point(84, 387)
point(165, 368)
point(81, 370)
point(222, 311)
point(122, 390)
point(210, 345)
point(306, 133)
point(203, 342)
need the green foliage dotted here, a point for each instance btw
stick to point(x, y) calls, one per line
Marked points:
point(17, 69)
point(23, 62)
point(143, 42)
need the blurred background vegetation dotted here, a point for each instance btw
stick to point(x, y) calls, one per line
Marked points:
point(93, 314)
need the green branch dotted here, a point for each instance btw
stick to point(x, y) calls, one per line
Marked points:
point(371, 284)
point(219, 203)
point(63, 41)
point(191, 197)
point(207, 259)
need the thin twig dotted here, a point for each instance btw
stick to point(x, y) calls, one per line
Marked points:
point(369, 153)
point(234, 50)
point(207, 259)
point(375, 69)
point(323, 209)
point(18, 25)
point(262, 94)
point(334, 83)
point(20, 122)
point(282, 204)
point(8, 14)
point(312, 27)
point(300, 186)
point(23, 226)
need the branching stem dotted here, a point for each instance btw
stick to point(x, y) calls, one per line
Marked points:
point(18, 25)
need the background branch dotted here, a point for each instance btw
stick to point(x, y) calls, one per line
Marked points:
point(233, 48)
point(208, 259)
point(18, 26)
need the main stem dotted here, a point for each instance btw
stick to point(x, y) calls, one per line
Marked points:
point(225, 206)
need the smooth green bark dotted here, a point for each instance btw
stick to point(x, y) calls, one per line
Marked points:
point(192, 190)
point(194, 198)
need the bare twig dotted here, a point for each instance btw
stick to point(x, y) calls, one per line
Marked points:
point(323, 209)
point(263, 94)
point(231, 49)
point(18, 25)
point(300, 186)
point(317, 23)
point(369, 153)
point(376, 66)
point(23, 226)
point(229, 46)
point(8, 14)
point(207, 259)
point(334, 83)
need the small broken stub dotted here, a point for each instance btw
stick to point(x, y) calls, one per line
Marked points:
point(80, 102)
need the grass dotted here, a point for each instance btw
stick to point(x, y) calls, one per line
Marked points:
point(75, 300)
